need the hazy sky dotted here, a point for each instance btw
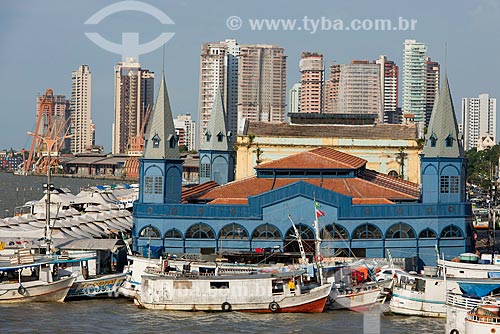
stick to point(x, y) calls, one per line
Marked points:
point(41, 42)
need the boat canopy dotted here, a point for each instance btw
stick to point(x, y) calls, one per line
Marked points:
point(478, 289)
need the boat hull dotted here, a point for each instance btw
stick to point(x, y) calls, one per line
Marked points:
point(358, 301)
point(481, 326)
point(250, 295)
point(415, 303)
point(36, 291)
point(105, 286)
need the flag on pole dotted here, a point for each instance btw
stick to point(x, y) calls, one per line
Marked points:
point(319, 213)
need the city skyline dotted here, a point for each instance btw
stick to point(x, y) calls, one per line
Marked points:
point(460, 29)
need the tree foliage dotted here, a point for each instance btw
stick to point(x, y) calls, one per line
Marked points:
point(481, 166)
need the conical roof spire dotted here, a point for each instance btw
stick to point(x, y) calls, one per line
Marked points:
point(216, 136)
point(161, 140)
point(441, 139)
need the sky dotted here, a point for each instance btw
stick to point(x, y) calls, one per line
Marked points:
point(42, 42)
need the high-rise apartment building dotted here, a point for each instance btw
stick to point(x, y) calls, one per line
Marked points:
point(312, 78)
point(389, 85)
point(359, 90)
point(185, 127)
point(134, 96)
point(431, 87)
point(261, 83)
point(219, 73)
point(332, 89)
point(414, 80)
point(294, 99)
point(479, 120)
point(81, 122)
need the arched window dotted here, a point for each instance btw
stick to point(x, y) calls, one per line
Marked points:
point(400, 231)
point(173, 234)
point(200, 231)
point(433, 140)
point(393, 173)
point(305, 232)
point(150, 232)
point(451, 231)
point(449, 141)
point(367, 231)
point(334, 231)
point(266, 231)
point(427, 234)
point(233, 231)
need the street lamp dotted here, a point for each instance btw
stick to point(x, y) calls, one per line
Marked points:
point(49, 142)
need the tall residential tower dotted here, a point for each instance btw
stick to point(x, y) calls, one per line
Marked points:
point(219, 73)
point(81, 122)
point(134, 91)
point(479, 116)
point(312, 78)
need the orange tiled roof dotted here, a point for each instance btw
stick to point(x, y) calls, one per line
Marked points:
point(324, 157)
point(353, 187)
point(371, 201)
point(195, 191)
point(229, 201)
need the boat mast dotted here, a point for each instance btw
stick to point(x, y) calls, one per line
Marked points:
point(318, 258)
point(299, 241)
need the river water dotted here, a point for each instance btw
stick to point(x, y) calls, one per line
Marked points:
point(121, 316)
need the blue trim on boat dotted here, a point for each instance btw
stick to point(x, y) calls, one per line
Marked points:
point(418, 299)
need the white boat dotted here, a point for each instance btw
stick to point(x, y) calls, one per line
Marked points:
point(483, 319)
point(421, 295)
point(457, 307)
point(472, 269)
point(32, 283)
point(262, 293)
point(352, 288)
point(137, 265)
point(355, 298)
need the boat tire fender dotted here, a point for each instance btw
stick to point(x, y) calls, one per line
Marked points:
point(226, 307)
point(274, 307)
point(454, 331)
point(21, 290)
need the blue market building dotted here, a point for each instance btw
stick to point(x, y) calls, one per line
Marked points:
point(367, 213)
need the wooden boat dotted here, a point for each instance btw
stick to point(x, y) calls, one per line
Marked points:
point(32, 282)
point(355, 298)
point(483, 319)
point(89, 283)
point(262, 293)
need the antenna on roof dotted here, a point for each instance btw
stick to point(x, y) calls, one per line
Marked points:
point(445, 57)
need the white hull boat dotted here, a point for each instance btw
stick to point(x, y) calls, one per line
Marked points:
point(261, 293)
point(357, 299)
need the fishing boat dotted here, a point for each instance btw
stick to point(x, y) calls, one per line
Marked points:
point(281, 292)
point(355, 298)
point(469, 265)
point(32, 281)
point(263, 293)
point(88, 283)
point(483, 319)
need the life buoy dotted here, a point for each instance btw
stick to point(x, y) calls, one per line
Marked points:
point(318, 258)
point(274, 307)
point(21, 290)
point(226, 307)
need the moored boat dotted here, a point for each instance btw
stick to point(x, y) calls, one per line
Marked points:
point(32, 282)
point(262, 293)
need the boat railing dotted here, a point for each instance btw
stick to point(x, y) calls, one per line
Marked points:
point(472, 316)
point(459, 300)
